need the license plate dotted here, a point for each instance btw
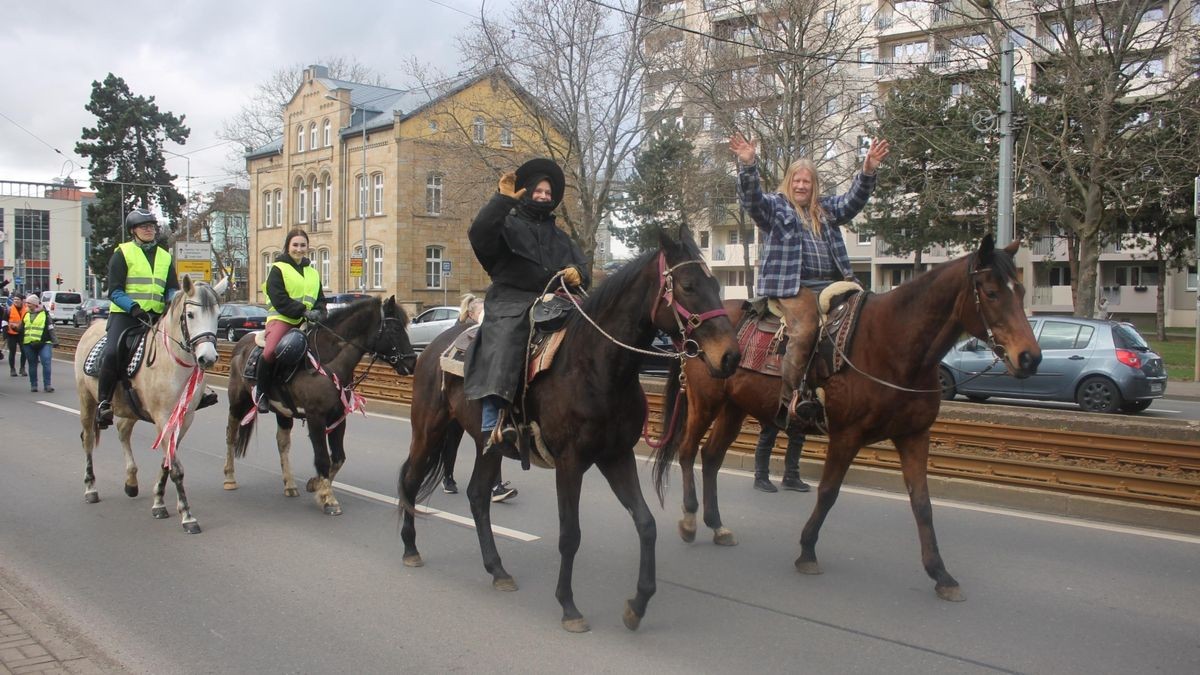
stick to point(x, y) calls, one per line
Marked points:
point(1156, 388)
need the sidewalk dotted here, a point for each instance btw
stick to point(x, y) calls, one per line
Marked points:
point(29, 645)
point(1188, 391)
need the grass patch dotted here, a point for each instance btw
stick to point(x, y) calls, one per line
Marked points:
point(1178, 353)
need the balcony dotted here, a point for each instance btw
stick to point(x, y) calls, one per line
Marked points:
point(731, 255)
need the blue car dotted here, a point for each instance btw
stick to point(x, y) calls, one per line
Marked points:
point(1104, 366)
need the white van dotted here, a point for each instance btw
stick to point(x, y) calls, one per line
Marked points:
point(61, 305)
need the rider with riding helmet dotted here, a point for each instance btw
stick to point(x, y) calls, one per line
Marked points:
point(515, 239)
point(803, 251)
point(141, 283)
point(293, 290)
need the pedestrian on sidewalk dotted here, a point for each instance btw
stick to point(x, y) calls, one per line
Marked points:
point(12, 334)
point(791, 461)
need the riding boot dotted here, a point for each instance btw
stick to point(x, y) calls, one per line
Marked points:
point(802, 327)
point(266, 372)
point(104, 412)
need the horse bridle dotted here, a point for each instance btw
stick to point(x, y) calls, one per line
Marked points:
point(189, 342)
point(686, 320)
point(997, 348)
point(391, 359)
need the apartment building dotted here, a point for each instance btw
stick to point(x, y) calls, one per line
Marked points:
point(857, 49)
point(43, 237)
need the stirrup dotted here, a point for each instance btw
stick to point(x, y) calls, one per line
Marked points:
point(104, 414)
point(209, 398)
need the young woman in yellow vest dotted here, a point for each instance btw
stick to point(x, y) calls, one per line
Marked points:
point(12, 332)
point(141, 283)
point(37, 336)
point(293, 290)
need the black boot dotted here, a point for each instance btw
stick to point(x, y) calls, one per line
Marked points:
point(265, 373)
point(209, 398)
point(104, 412)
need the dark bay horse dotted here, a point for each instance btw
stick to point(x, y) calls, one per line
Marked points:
point(902, 335)
point(589, 405)
point(324, 398)
point(179, 349)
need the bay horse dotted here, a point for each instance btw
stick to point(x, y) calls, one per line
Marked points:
point(890, 392)
point(323, 394)
point(178, 351)
point(589, 406)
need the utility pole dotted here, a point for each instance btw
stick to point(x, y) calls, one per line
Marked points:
point(1005, 230)
point(1196, 262)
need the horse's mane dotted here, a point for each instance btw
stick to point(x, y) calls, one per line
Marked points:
point(341, 313)
point(608, 292)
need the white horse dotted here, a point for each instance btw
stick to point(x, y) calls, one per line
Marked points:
point(169, 384)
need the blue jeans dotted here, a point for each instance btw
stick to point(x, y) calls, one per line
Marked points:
point(762, 453)
point(491, 412)
point(33, 354)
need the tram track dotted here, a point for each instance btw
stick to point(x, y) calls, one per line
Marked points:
point(1145, 470)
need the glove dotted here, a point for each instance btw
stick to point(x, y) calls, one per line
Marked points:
point(508, 186)
point(571, 276)
point(314, 315)
point(140, 314)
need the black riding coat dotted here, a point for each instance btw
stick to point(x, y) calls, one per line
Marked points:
point(521, 253)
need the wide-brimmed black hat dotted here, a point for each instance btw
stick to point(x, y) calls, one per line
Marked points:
point(543, 166)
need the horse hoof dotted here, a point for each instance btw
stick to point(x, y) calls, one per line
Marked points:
point(91, 497)
point(807, 566)
point(333, 510)
point(950, 593)
point(131, 490)
point(291, 492)
point(685, 533)
point(159, 512)
point(576, 625)
point(191, 528)
point(311, 485)
point(723, 536)
point(230, 485)
point(507, 584)
point(413, 560)
point(630, 618)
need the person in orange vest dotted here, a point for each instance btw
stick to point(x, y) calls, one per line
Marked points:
point(12, 332)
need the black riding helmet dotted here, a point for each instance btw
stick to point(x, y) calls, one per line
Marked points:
point(139, 217)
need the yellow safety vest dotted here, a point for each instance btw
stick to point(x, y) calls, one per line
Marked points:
point(302, 288)
point(35, 327)
point(147, 287)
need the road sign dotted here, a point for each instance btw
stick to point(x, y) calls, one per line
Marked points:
point(194, 258)
point(17, 280)
point(446, 268)
point(356, 267)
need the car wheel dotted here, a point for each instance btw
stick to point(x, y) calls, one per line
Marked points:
point(230, 335)
point(1136, 406)
point(1098, 394)
point(946, 382)
point(976, 398)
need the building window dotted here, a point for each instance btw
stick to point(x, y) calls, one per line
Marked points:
point(733, 237)
point(864, 145)
point(362, 196)
point(301, 203)
point(433, 194)
point(831, 105)
point(328, 133)
point(268, 218)
point(433, 266)
point(279, 208)
point(864, 239)
point(316, 201)
point(865, 57)
point(703, 238)
point(865, 12)
point(506, 135)
point(328, 197)
point(864, 103)
point(830, 18)
point(830, 149)
point(376, 267)
point(323, 261)
point(1060, 275)
point(266, 266)
point(312, 136)
point(1191, 278)
point(32, 247)
point(378, 198)
point(477, 131)
point(300, 138)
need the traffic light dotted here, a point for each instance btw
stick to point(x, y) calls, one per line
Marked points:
point(58, 280)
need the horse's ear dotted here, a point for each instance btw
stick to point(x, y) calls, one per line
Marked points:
point(220, 286)
point(986, 247)
point(1012, 247)
point(665, 241)
point(185, 284)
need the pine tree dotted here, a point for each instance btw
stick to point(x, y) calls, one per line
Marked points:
point(126, 151)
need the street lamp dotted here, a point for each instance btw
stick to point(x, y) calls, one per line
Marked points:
point(187, 212)
point(362, 203)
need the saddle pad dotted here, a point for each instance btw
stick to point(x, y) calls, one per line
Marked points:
point(545, 347)
point(453, 360)
point(837, 333)
point(250, 371)
point(762, 351)
point(91, 365)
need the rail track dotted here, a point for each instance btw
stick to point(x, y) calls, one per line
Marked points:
point(1145, 470)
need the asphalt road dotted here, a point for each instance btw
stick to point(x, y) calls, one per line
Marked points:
point(274, 586)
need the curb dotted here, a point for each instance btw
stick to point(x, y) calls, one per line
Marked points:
point(28, 644)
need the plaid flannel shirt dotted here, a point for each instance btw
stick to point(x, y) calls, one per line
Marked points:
point(789, 251)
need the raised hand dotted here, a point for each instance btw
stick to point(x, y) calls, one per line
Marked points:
point(743, 148)
point(875, 155)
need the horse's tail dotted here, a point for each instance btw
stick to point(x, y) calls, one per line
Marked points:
point(432, 465)
point(241, 439)
point(464, 307)
point(674, 423)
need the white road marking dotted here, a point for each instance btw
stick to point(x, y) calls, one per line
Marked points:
point(943, 503)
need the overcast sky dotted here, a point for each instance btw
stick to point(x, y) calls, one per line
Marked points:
point(198, 58)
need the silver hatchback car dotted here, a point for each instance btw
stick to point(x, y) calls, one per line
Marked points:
point(1104, 366)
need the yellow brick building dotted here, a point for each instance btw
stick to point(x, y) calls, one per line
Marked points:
point(431, 160)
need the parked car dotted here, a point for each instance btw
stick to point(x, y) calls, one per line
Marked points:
point(89, 311)
point(340, 300)
point(429, 324)
point(1104, 366)
point(236, 319)
point(61, 304)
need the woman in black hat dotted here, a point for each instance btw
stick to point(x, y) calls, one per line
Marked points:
point(515, 239)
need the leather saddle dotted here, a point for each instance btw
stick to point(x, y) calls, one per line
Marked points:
point(289, 355)
point(131, 351)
